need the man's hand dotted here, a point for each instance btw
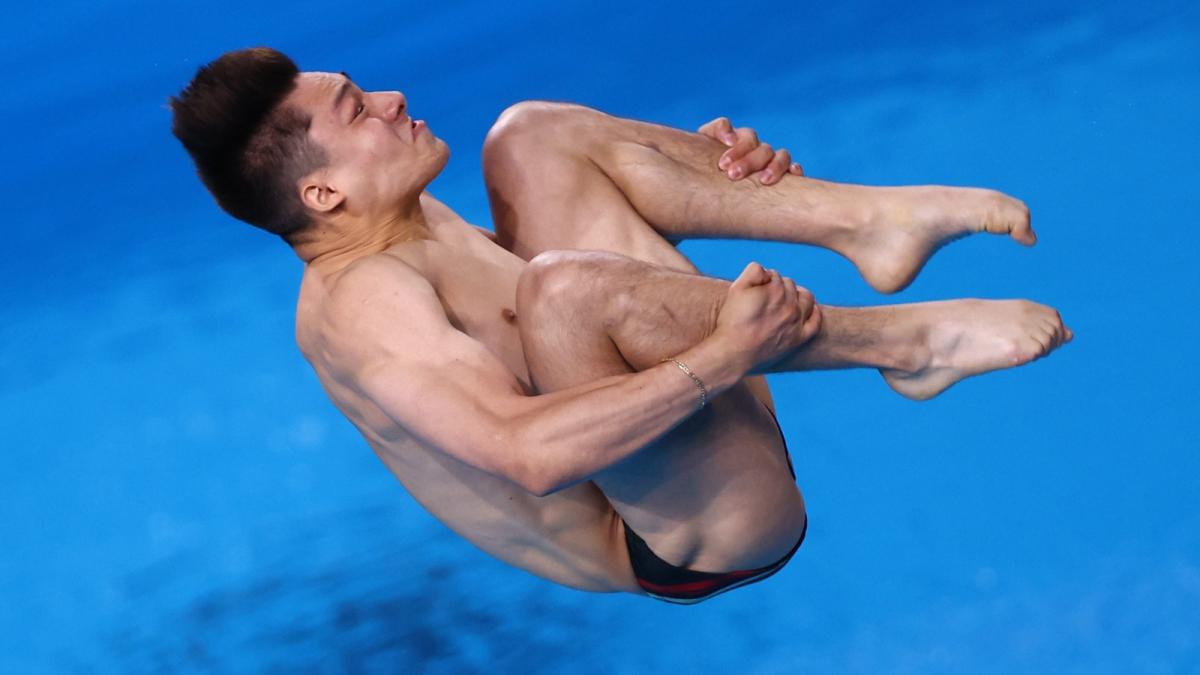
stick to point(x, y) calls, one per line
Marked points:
point(765, 316)
point(746, 156)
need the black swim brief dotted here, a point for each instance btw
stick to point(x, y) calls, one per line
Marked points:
point(664, 581)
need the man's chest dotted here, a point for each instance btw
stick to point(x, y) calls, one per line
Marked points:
point(487, 313)
point(479, 297)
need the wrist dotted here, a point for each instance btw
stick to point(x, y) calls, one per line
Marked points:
point(718, 362)
point(734, 351)
point(700, 387)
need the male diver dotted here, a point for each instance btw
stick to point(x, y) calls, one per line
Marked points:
point(570, 394)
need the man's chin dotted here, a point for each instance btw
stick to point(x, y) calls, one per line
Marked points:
point(433, 169)
point(443, 158)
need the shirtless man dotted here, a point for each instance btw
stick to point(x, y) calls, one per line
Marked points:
point(519, 391)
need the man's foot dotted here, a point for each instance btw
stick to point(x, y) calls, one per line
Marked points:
point(914, 222)
point(962, 338)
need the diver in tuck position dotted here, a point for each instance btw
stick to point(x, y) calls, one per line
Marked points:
point(569, 394)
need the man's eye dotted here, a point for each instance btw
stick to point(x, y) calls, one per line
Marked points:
point(358, 111)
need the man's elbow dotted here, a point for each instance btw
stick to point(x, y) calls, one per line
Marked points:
point(538, 480)
point(543, 487)
point(532, 470)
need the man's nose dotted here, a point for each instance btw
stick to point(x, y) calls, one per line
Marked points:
point(395, 105)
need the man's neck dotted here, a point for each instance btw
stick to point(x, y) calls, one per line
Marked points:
point(333, 246)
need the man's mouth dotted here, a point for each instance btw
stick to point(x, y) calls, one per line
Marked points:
point(417, 127)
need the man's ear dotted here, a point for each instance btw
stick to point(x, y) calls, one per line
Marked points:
point(319, 195)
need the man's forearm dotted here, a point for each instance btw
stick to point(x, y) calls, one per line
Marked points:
point(575, 433)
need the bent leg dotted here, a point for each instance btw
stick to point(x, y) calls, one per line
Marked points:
point(651, 312)
point(562, 176)
point(714, 493)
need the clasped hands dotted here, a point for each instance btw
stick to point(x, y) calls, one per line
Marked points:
point(768, 314)
point(747, 156)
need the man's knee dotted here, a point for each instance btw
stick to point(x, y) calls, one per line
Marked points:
point(563, 284)
point(534, 127)
point(534, 121)
point(553, 280)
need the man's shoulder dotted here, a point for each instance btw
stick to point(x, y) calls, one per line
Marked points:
point(377, 293)
point(439, 214)
point(376, 274)
point(378, 278)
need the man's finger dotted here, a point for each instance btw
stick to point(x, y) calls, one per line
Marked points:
point(725, 131)
point(747, 140)
point(773, 275)
point(778, 287)
point(791, 289)
point(795, 169)
point(776, 169)
point(753, 275)
point(754, 161)
point(807, 302)
point(720, 129)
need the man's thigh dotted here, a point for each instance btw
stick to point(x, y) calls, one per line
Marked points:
point(547, 195)
point(718, 481)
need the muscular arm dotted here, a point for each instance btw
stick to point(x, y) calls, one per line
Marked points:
point(394, 343)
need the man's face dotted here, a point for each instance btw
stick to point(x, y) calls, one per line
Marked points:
point(378, 156)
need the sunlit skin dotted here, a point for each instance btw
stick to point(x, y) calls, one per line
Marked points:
point(484, 375)
point(378, 154)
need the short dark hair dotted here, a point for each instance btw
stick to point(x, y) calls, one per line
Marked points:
point(249, 149)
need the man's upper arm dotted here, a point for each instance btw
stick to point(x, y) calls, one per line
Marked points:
point(441, 385)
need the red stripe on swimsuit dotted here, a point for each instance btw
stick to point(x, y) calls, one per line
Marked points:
point(660, 579)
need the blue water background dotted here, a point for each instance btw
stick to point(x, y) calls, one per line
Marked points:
point(178, 496)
